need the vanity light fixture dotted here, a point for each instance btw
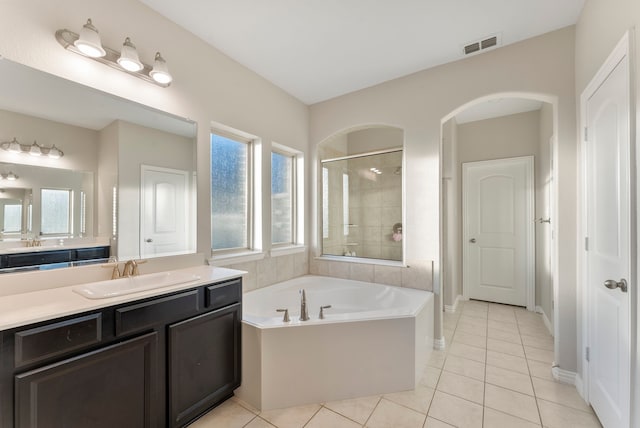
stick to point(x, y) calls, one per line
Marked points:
point(160, 72)
point(88, 44)
point(13, 146)
point(9, 176)
point(129, 59)
point(34, 149)
point(88, 41)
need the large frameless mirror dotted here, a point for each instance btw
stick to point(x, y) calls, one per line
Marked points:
point(127, 171)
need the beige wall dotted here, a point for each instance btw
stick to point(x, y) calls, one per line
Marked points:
point(371, 139)
point(600, 26)
point(418, 104)
point(501, 137)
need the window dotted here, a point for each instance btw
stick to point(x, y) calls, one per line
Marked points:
point(230, 193)
point(283, 201)
point(12, 218)
point(56, 212)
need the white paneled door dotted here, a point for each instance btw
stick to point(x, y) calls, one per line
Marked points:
point(608, 241)
point(498, 257)
point(164, 212)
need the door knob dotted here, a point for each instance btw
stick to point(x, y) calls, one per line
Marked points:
point(472, 240)
point(148, 240)
point(612, 285)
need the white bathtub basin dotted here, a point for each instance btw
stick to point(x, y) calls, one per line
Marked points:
point(134, 284)
point(375, 339)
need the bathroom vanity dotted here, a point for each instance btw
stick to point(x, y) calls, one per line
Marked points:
point(30, 258)
point(154, 359)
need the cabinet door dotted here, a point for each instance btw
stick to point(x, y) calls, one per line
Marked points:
point(204, 362)
point(111, 387)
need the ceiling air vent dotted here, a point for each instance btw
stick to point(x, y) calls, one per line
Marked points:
point(489, 43)
point(483, 44)
point(473, 47)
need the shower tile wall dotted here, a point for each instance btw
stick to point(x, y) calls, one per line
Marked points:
point(271, 270)
point(375, 202)
point(418, 274)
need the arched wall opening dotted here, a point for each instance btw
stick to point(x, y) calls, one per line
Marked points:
point(498, 126)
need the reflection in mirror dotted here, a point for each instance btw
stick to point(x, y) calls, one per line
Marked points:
point(15, 212)
point(46, 202)
point(362, 195)
point(106, 141)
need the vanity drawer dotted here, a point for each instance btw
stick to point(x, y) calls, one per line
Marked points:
point(40, 258)
point(224, 294)
point(167, 309)
point(92, 253)
point(57, 339)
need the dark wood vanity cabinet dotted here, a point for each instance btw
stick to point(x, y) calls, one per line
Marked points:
point(157, 362)
point(111, 387)
point(202, 370)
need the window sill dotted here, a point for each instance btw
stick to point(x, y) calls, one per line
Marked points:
point(287, 250)
point(235, 258)
point(361, 260)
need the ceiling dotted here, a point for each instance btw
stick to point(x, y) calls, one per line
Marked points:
point(319, 49)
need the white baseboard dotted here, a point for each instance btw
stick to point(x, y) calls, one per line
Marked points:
point(438, 344)
point(452, 308)
point(564, 376)
point(545, 319)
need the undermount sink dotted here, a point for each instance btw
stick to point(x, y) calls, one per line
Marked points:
point(133, 284)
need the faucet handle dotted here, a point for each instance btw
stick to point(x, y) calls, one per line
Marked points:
point(136, 263)
point(115, 274)
point(286, 314)
point(322, 308)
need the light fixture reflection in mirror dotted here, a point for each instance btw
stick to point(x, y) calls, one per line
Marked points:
point(34, 149)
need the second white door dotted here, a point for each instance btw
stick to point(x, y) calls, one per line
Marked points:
point(164, 211)
point(498, 230)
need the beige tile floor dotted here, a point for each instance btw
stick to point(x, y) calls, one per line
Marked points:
point(495, 372)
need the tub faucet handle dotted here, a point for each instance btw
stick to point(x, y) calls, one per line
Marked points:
point(304, 313)
point(322, 308)
point(286, 314)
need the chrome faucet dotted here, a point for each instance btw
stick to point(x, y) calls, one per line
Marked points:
point(304, 314)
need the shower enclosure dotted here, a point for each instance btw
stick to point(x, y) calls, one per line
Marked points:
point(362, 205)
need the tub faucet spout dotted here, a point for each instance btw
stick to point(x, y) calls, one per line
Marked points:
point(304, 313)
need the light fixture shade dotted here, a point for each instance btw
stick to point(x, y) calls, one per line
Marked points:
point(160, 72)
point(55, 153)
point(11, 176)
point(35, 150)
point(89, 41)
point(129, 59)
point(14, 146)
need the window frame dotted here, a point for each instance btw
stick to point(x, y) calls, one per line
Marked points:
point(294, 157)
point(250, 205)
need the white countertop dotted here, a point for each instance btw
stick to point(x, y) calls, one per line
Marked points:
point(51, 245)
point(17, 310)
